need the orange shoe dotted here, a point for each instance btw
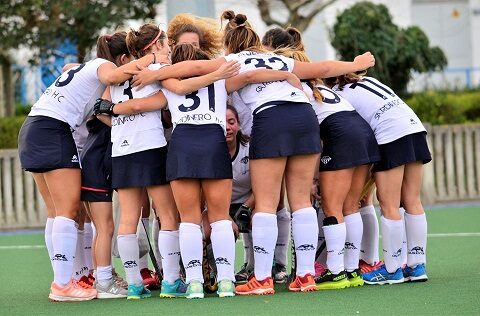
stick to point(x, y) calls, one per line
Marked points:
point(85, 282)
point(254, 287)
point(303, 284)
point(72, 292)
point(366, 267)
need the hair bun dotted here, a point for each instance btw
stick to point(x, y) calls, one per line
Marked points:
point(228, 15)
point(240, 19)
point(108, 38)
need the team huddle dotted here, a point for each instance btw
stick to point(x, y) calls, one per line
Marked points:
point(224, 135)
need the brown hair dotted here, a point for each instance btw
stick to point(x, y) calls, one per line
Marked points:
point(241, 138)
point(282, 38)
point(139, 42)
point(186, 51)
point(239, 35)
point(343, 80)
point(207, 30)
point(110, 47)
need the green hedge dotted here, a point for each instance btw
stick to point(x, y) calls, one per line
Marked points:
point(9, 127)
point(441, 107)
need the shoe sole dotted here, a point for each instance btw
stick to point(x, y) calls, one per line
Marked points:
point(354, 282)
point(195, 296)
point(59, 298)
point(333, 285)
point(139, 297)
point(109, 295)
point(226, 294)
point(402, 280)
point(422, 278)
point(171, 295)
point(257, 292)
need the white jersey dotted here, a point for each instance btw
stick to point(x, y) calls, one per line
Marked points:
point(71, 97)
point(80, 136)
point(389, 117)
point(136, 132)
point(207, 105)
point(241, 185)
point(244, 113)
point(260, 96)
point(332, 102)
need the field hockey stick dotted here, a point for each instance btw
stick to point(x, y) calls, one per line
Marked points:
point(151, 253)
point(293, 256)
point(367, 187)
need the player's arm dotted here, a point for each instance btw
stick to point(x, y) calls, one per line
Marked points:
point(182, 87)
point(259, 76)
point(69, 66)
point(184, 69)
point(333, 68)
point(133, 106)
point(109, 74)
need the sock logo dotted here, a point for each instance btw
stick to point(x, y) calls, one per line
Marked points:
point(258, 249)
point(350, 245)
point(326, 159)
point(193, 263)
point(305, 247)
point(397, 254)
point(59, 257)
point(82, 270)
point(174, 253)
point(129, 264)
point(221, 260)
point(416, 251)
point(341, 252)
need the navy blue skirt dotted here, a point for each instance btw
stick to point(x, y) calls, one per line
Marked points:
point(46, 144)
point(348, 141)
point(198, 152)
point(96, 160)
point(287, 129)
point(404, 150)
point(140, 169)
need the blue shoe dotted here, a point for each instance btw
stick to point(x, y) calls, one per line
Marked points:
point(175, 289)
point(416, 274)
point(136, 292)
point(382, 276)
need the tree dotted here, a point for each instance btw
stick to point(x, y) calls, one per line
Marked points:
point(369, 27)
point(300, 12)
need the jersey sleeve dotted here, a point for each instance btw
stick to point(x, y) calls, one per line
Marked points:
point(231, 57)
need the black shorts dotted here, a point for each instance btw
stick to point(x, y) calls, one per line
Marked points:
point(46, 144)
point(348, 141)
point(96, 158)
point(198, 152)
point(141, 169)
point(286, 129)
point(404, 150)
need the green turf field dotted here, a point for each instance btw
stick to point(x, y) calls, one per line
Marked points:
point(453, 289)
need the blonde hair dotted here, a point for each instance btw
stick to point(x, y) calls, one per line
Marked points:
point(210, 37)
point(352, 77)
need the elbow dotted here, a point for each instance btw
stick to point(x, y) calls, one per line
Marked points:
point(249, 77)
point(137, 108)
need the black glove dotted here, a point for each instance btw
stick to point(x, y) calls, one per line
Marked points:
point(242, 218)
point(103, 106)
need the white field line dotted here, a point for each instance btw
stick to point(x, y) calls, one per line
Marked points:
point(434, 235)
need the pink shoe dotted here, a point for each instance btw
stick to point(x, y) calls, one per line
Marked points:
point(319, 269)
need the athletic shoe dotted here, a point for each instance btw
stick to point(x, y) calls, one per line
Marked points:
point(195, 290)
point(226, 288)
point(136, 292)
point(72, 292)
point(382, 276)
point(366, 267)
point(85, 282)
point(330, 281)
point(112, 290)
point(319, 269)
point(303, 284)
point(150, 279)
point(91, 279)
point(254, 287)
point(416, 274)
point(279, 272)
point(175, 289)
point(242, 276)
point(355, 278)
point(119, 281)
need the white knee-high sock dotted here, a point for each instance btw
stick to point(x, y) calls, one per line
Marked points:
point(155, 246)
point(354, 227)
point(64, 241)
point(88, 237)
point(48, 238)
point(128, 250)
point(369, 248)
point(404, 238)
point(248, 250)
point(169, 251)
point(104, 275)
point(392, 232)
point(223, 245)
point(79, 264)
point(264, 237)
point(305, 236)
point(416, 227)
point(335, 236)
point(321, 238)
point(191, 249)
point(283, 225)
point(143, 261)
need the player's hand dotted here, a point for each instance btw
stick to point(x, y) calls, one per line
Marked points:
point(103, 106)
point(227, 70)
point(142, 77)
point(364, 61)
